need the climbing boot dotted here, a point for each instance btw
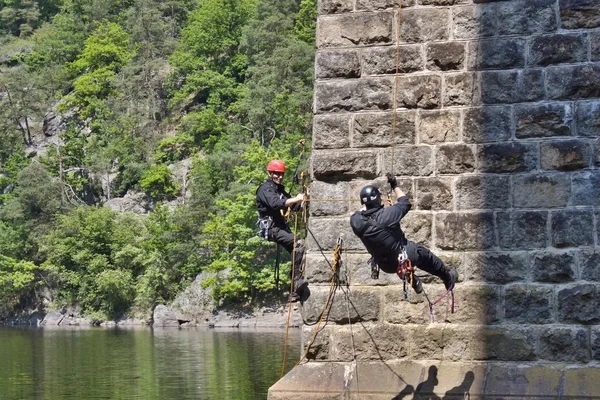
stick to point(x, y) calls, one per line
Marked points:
point(451, 279)
point(416, 284)
point(294, 297)
point(299, 285)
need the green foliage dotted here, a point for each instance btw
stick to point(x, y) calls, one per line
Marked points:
point(174, 148)
point(306, 22)
point(158, 182)
point(17, 279)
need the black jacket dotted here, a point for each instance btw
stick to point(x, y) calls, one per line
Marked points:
point(270, 201)
point(379, 229)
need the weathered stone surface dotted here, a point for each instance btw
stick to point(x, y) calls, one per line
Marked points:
point(577, 304)
point(424, 25)
point(507, 343)
point(417, 227)
point(525, 17)
point(370, 342)
point(522, 382)
point(367, 309)
point(573, 82)
point(590, 260)
point(428, 342)
point(471, 231)
point(382, 60)
point(597, 153)
point(164, 316)
point(478, 305)
point(471, 22)
point(564, 344)
point(595, 333)
point(445, 56)
point(586, 188)
point(462, 89)
point(335, 6)
point(331, 167)
point(595, 44)
point(581, 380)
point(354, 95)
point(326, 231)
point(556, 49)
point(455, 159)
point(499, 53)
point(575, 14)
point(512, 86)
point(541, 190)
point(410, 160)
point(355, 29)
point(405, 184)
point(398, 310)
point(434, 194)
point(587, 118)
point(331, 131)
point(319, 346)
point(507, 157)
point(442, 2)
point(360, 272)
point(318, 268)
point(565, 155)
point(487, 124)
point(376, 129)
point(572, 228)
point(496, 267)
point(328, 191)
point(522, 229)
point(528, 304)
point(482, 192)
point(337, 64)
point(373, 5)
point(439, 126)
point(543, 120)
point(423, 91)
point(554, 267)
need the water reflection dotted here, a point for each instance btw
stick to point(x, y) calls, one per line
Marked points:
point(142, 363)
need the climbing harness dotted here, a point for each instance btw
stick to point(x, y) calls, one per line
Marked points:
point(405, 271)
point(263, 225)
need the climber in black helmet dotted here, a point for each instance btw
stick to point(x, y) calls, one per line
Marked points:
point(271, 201)
point(379, 230)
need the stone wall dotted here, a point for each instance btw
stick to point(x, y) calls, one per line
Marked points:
point(497, 145)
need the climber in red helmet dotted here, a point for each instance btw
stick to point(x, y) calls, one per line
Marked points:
point(272, 201)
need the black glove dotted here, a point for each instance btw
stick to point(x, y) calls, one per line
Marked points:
point(392, 181)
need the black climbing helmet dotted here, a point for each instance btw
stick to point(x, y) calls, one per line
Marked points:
point(370, 196)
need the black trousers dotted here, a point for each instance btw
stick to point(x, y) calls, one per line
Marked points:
point(285, 238)
point(420, 257)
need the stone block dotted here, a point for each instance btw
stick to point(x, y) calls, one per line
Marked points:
point(595, 347)
point(572, 228)
point(422, 91)
point(353, 95)
point(523, 382)
point(424, 25)
point(382, 60)
point(541, 190)
point(482, 192)
point(328, 191)
point(346, 165)
point(337, 64)
point(507, 157)
point(577, 14)
point(410, 160)
point(359, 271)
point(463, 342)
point(317, 268)
point(595, 44)
point(495, 267)
point(565, 345)
point(363, 305)
point(376, 129)
point(370, 342)
point(477, 305)
point(573, 82)
point(565, 155)
point(523, 230)
point(462, 89)
point(470, 22)
point(508, 344)
point(587, 118)
point(577, 304)
point(434, 194)
point(331, 131)
point(374, 5)
point(556, 49)
point(428, 342)
point(398, 310)
point(581, 382)
point(354, 29)
point(487, 124)
point(551, 267)
point(590, 263)
point(439, 126)
point(335, 6)
point(501, 53)
point(324, 233)
point(512, 86)
point(417, 227)
point(528, 304)
point(586, 188)
point(442, 2)
point(472, 231)
point(318, 346)
point(455, 159)
point(526, 17)
point(445, 56)
point(545, 120)
point(597, 153)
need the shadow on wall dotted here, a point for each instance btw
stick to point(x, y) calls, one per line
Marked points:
point(426, 389)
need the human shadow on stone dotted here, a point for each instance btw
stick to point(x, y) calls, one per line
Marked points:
point(407, 391)
point(463, 390)
point(425, 389)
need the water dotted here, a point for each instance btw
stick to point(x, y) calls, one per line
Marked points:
point(63, 364)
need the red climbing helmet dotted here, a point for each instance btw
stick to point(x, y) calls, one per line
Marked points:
point(276, 166)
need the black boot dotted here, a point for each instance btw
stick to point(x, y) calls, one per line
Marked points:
point(452, 277)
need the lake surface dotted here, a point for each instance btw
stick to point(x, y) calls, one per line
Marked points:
point(159, 364)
